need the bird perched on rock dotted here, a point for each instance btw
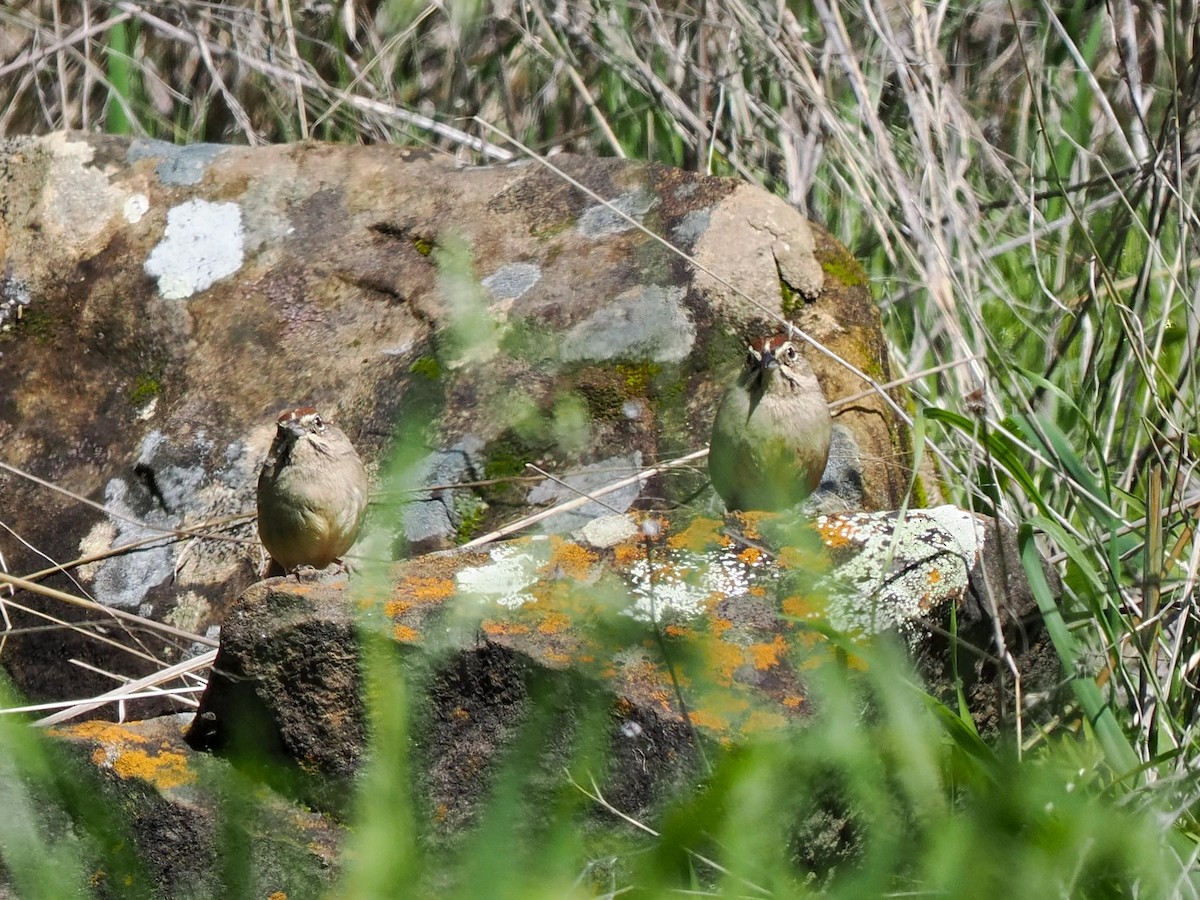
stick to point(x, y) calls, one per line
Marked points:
point(312, 492)
point(770, 438)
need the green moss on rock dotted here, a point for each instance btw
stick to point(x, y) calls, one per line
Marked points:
point(427, 366)
point(36, 324)
point(525, 339)
point(638, 378)
point(607, 388)
point(791, 301)
point(470, 511)
point(843, 267)
point(145, 388)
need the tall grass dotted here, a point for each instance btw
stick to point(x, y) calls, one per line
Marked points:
point(1018, 180)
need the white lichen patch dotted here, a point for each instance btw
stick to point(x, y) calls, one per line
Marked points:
point(203, 243)
point(901, 570)
point(662, 591)
point(14, 299)
point(730, 574)
point(511, 281)
point(611, 218)
point(141, 510)
point(505, 580)
point(681, 584)
point(648, 322)
point(124, 581)
point(136, 206)
point(146, 413)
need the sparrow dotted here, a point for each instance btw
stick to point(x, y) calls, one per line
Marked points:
point(770, 438)
point(312, 492)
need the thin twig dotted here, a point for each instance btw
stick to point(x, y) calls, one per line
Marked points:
point(203, 661)
point(35, 588)
point(79, 498)
point(569, 505)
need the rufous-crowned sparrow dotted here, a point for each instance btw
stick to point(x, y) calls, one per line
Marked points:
point(770, 438)
point(312, 492)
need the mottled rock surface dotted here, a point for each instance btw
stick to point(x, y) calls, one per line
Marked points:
point(159, 305)
point(198, 827)
point(701, 633)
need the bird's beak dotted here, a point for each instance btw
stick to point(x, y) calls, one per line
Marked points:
point(291, 429)
point(767, 361)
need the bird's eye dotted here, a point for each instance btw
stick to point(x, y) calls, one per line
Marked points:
point(790, 353)
point(318, 423)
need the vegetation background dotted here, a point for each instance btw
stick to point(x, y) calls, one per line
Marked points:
point(1018, 178)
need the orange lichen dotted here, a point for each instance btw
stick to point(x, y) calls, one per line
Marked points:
point(395, 608)
point(703, 718)
point(725, 659)
point(460, 713)
point(750, 556)
point(792, 701)
point(701, 534)
point(836, 533)
point(108, 733)
point(627, 553)
point(751, 523)
point(665, 699)
point(935, 575)
point(405, 634)
point(426, 590)
point(767, 655)
point(797, 607)
point(132, 755)
point(278, 895)
point(490, 626)
point(556, 657)
point(762, 720)
point(164, 769)
point(720, 626)
point(570, 559)
point(676, 631)
point(554, 623)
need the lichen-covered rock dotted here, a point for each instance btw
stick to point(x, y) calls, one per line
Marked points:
point(194, 822)
point(159, 305)
point(703, 632)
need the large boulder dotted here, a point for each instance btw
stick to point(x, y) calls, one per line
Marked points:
point(701, 633)
point(494, 341)
point(159, 305)
point(195, 827)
